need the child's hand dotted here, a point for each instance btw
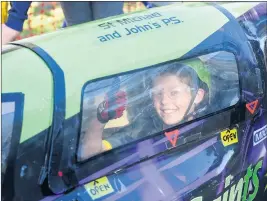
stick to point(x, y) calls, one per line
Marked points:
point(112, 107)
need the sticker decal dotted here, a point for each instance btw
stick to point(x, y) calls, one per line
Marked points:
point(172, 137)
point(259, 135)
point(238, 190)
point(99, 188)
point(229, 137)
point(252, 106)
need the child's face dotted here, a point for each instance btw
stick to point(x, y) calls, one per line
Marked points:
point(172, 98)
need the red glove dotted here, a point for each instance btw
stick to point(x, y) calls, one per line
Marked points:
point(112, 107)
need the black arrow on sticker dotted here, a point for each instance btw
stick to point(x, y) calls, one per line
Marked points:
point(95, 182)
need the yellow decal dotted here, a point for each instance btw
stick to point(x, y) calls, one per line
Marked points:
point(229, 137)
point(99, 188)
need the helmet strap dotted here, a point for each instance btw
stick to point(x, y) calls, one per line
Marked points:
point(187, 114)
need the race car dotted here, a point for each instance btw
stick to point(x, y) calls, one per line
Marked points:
point(164, 104)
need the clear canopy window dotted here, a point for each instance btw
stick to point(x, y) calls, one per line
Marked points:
point(122, 109)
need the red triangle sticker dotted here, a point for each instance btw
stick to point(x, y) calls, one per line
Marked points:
point(172, 137)
point(252, 106)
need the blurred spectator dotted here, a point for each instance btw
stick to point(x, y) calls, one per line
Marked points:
point(80, 12)
point(75, 13)
point(4, 7)
point(151, 4)
point(16, 17)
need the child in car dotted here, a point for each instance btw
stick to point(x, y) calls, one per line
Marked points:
point(179, 93)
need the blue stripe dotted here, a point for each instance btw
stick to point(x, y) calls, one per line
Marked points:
point(59, 103)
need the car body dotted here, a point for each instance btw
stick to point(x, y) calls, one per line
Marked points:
point(49, 81)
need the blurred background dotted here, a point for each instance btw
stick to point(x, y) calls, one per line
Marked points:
point(44, 17)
